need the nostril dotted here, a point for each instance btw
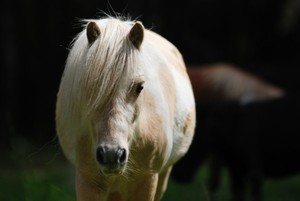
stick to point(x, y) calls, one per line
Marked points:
point(110, 156)
point(100, 155)
point(121, 156)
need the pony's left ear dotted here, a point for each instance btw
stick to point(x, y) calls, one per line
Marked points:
point(136, 34)
point(92, 32)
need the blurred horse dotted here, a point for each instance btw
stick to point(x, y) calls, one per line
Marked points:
point(125, 111)
point(244, 124)
point(226, 82)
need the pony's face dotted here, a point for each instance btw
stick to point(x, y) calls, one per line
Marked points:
point(114, 123)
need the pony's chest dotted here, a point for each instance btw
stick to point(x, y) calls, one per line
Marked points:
point(148, 156)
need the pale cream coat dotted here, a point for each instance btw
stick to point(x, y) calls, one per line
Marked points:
point(96, 104)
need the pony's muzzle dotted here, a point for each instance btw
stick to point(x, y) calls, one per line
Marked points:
point(111, 158)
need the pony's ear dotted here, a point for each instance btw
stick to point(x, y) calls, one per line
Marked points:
point(136, 34)
point(92, 32)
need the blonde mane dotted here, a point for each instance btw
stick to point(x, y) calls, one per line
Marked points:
point(107, 61)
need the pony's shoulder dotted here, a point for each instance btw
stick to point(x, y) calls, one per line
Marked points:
point(168, 49)
point(158, 40)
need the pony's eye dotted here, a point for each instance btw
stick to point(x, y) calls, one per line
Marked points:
point(139, 88)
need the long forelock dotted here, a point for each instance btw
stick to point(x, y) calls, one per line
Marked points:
point(110, 59)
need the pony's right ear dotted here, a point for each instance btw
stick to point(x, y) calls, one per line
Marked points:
point(136, 34)
point(92, 32)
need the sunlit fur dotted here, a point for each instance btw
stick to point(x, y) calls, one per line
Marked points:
point(97, 104)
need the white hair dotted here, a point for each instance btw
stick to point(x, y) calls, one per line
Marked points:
point(97, 68)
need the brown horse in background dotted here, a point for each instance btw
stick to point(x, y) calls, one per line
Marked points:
point(237, 113)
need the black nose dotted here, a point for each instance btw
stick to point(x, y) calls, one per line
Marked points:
point(110, 156)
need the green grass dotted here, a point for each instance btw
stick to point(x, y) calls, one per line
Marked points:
point(35, 185)
point(42, 175)
point(47, 176)
point(197, 190)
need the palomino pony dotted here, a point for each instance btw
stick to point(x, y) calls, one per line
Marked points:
point(125, 111)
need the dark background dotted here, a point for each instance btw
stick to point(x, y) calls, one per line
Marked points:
point(261, 36)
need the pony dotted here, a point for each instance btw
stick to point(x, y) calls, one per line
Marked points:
point(238, 113)
point(125, 111)
point(226, 82)
point(254, 142)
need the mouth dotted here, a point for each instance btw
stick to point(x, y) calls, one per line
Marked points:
point(112, 172)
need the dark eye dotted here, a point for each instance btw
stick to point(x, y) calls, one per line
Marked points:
point(139, 88)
